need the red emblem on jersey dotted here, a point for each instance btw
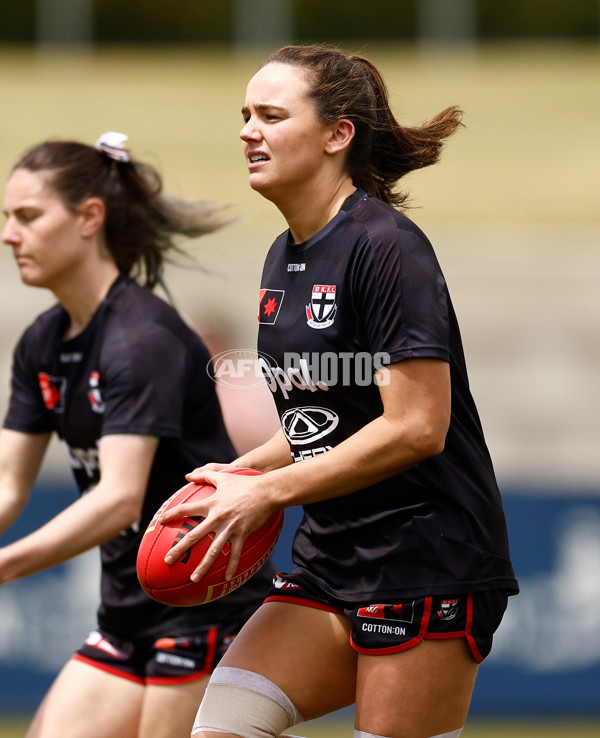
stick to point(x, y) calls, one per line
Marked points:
point(52, 389)
point(320, 312)
point(269, 304)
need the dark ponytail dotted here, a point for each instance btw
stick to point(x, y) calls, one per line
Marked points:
point(141, 221)
point(382, 151)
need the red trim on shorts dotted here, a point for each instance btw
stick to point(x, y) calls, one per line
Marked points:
point(403, 646)
point(174, 681)
point(470, 640)
point(166, 681)
point(461, 633)
point(109, 669)
point(304, 603)
point(211, 649)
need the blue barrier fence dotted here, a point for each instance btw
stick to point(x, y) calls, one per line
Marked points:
point(546, 655)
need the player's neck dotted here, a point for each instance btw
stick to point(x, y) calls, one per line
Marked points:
point(307, 213)
point(82, 298)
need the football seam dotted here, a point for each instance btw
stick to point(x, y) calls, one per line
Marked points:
point(153, 546)
point(175, 587)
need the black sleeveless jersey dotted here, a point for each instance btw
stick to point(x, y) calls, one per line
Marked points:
point(363, 293)
point(136, 369)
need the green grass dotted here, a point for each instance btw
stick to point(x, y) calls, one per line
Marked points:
point(558, 728)
point(531, 728)
point(11, 727)
point(523, 728)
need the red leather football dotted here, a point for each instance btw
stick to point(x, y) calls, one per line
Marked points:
point(171, 585)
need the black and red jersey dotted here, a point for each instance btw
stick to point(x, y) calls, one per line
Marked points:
point(137, 368)
point(365, 292)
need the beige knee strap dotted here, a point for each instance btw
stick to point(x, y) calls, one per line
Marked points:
point(246, 704)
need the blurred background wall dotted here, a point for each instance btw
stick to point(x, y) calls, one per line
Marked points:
point(513, 213)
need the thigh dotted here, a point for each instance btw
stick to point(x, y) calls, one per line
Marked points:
point(305, 651)
point(169, 711)
point(422, 692)
point(83, 700)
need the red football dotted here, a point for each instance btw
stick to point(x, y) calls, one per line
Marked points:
point(171, 585)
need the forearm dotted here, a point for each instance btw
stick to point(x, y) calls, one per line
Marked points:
point(273, 454)
point(412, 428)
point(11, 506)
point(371, 455)
point(376, 452)
point(21, 456)
point(86, 523)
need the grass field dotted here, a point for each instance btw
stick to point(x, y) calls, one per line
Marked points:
point(479, 729)
point(532, 728)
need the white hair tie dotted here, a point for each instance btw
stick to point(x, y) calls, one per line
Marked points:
point(111, 144)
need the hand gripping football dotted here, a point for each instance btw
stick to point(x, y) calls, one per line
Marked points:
point(171, 585)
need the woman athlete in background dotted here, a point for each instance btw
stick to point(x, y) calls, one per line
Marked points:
point(118, 375)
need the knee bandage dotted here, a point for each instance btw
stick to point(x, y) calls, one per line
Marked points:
point(245, 704)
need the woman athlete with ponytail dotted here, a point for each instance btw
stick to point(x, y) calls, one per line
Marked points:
point(402, 566)
point(115, 372)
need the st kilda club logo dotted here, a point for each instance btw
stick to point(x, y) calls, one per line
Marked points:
point(320, 312)
point(448, 609)
point(95, 393)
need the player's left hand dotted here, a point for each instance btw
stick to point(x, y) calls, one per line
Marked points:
point(235, 510)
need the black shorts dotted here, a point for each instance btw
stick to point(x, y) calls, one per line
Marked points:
point(387, 626)
point(168, 659)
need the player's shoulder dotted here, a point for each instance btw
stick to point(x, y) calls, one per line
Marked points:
point(45, 325)
point(127, 297)
point(136, 307)
point(137, 318)
point(383, 222)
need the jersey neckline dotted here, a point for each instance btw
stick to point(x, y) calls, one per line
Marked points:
point(348, 204)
